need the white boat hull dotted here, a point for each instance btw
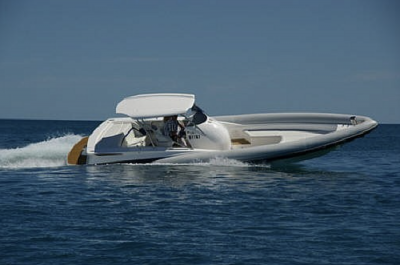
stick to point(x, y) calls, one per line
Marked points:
point(253, 138)
point(307, 140)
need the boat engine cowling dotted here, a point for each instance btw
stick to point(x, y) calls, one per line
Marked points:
point(210, 134)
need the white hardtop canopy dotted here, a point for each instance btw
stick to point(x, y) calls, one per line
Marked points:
point(155, 105)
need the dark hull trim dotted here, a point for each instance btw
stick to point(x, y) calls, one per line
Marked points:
point(134, 161)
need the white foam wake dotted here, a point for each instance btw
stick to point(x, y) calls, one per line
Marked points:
point(217, 161)
point(222, 161)
point(50, 153)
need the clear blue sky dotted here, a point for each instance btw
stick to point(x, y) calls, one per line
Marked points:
point(76, 59)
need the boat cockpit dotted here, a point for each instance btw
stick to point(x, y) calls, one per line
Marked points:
point(197, 131)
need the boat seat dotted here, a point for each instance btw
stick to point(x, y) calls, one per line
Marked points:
point(132, 141)
point(161, 139)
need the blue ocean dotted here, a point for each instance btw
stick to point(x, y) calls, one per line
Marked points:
point(341, 208)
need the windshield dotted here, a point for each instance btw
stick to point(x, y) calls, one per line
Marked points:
point(199, 117)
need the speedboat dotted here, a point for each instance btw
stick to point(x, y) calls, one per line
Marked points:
point(256, 138)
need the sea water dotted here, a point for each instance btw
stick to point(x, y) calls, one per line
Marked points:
point(342, 208)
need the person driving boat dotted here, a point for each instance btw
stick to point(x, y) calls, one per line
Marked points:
point(174, 129)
